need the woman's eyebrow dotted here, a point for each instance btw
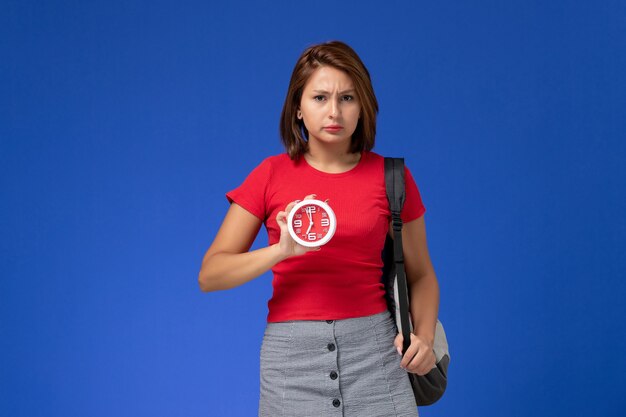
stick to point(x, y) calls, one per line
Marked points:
point(341, 92)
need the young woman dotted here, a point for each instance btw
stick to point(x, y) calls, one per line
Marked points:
point(330, 346)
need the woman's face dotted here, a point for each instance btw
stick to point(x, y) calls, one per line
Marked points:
point(330, 107)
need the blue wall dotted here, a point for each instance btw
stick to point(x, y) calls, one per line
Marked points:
point(122, 125)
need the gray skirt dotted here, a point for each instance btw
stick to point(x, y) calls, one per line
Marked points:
point(334, 368)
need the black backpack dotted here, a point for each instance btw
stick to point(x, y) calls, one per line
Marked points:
point(430, 387)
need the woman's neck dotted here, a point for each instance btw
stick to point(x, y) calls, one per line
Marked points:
point(331, 159)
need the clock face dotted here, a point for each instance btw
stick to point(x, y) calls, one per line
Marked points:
point(311, 223)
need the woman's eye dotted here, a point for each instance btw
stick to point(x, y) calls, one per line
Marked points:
point(319, 98)
point(348, 98)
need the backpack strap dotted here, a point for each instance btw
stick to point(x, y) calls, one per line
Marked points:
point(394, 183)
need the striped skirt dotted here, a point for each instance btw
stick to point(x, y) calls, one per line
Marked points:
point(334, 368)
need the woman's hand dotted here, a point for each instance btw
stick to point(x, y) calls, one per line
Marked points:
point(419, 357)
point(288, 247)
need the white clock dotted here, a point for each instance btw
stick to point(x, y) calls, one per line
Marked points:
point(312, 223)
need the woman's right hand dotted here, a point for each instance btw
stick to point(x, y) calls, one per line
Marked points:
point(287, 246)
point(229, 262)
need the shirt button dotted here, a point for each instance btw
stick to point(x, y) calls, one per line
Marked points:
point(331, 346)
point(333, 375)
point(336, 402)
point(329, 321)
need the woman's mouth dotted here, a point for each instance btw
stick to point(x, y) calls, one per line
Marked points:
point(333, 128)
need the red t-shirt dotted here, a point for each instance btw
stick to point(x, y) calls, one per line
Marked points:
point(342, 280)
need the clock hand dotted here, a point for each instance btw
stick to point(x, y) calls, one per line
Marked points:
point(310, 216)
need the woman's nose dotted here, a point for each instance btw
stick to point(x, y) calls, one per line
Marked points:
point(334, 109)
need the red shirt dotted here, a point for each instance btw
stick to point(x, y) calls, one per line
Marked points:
point(342, 280)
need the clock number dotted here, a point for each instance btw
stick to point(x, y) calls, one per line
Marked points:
point(297, 223)
point(325, 222)
point(310, 209)
point(312, 236)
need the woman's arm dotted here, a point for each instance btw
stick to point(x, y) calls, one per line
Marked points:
point(423, 296)
point(228, 264)
point(421, 279)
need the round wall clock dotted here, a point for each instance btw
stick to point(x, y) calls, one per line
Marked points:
point(312, 223)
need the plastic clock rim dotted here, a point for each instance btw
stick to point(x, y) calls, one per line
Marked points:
point(332, 227)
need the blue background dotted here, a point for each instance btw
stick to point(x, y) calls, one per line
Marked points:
point(123, 123)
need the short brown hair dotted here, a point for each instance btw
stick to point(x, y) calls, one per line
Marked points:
point(338, 55)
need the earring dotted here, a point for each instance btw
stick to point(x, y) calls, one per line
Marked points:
point(299, 115)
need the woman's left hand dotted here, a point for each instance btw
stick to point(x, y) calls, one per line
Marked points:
point(419, 357)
